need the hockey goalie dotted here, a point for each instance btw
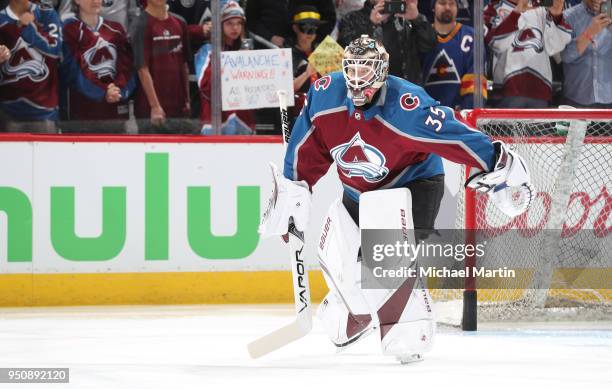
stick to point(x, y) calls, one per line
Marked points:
point(387, 138)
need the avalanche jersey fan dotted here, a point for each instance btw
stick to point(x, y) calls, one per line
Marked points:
point(29, 77)
point(382, 132)
point(448, 69)
point(96, 58)
point(120, 11)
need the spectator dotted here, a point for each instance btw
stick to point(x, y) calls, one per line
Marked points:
point(43, 3)
point(121, 11)
point(448, 73)
point(305, 24)
point(587, 60)
point(306, 21)
point(406, 36)
point(465, 11)
point(344, 7)
point(197, 15)
point(161, 53)
point(234, 122)
point(269, 19)
point(266, 19)
point(326, 10)
point(98, 69)
point(30, 49)
point(522, 43)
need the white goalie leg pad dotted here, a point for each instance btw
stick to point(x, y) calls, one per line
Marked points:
point(338, 249)
point(289, 199)
point(413, 334)
point(342, 326)
point(405, 316)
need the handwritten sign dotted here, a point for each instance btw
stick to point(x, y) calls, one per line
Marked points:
point(327, 57)
point(251, 78)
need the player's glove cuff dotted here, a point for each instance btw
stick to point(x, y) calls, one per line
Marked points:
point(289, 199)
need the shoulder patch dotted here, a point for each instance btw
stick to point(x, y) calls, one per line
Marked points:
point(322, 83)
point(408, 102)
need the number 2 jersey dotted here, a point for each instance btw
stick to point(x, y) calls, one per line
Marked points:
point(29, 78)
point(398, 139)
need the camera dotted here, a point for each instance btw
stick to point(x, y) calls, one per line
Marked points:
point(394, 7)
point(606, 8)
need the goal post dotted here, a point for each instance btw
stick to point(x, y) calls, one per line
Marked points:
point(562, 245)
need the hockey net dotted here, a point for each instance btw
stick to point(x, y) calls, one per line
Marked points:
point(562, 245)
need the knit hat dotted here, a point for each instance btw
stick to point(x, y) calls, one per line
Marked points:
point(232, 10)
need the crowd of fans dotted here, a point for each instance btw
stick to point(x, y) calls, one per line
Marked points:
point(143, 65)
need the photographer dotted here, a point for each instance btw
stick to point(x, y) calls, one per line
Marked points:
point(587, 60)
point(406, 35)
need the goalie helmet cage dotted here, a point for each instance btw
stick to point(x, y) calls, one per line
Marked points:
point(568, 153)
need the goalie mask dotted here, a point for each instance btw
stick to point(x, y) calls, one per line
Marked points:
point(365, 66)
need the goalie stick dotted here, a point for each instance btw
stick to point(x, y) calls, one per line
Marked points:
point(301, 290)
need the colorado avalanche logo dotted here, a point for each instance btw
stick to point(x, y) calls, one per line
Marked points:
point(359, 159)
point(501, 15)
point(409, 102)
point(322, 83)
point(24, 62)
point(443, 71)
point(101, 59)
point(529, 38)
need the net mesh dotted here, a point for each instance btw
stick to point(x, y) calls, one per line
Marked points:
point(563, 241)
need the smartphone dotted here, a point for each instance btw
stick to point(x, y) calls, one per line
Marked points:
point(606, 8)
point(546, 3)
point(394, 7)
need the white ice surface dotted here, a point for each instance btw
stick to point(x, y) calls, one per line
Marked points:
point(176, 347)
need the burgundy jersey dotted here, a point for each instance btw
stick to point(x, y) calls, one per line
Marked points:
point(93, 59)
point(396, 140)
point(162, 46)
point(204, 74)
point(29, 79)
